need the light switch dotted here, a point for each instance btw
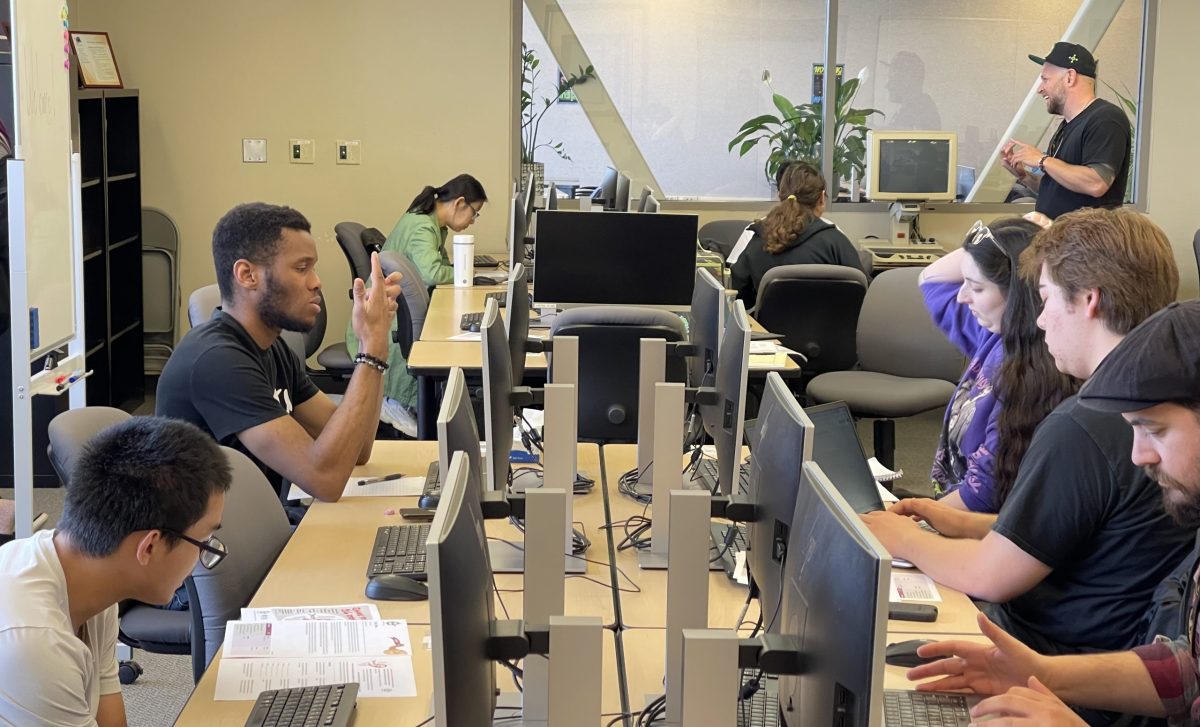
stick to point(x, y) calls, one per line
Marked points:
point(300, 151)
point(349, 152)
point(254, 151)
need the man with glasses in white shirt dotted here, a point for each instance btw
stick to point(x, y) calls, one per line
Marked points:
point(144, 503)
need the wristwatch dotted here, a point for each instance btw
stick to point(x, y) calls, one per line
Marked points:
point(1042, 162)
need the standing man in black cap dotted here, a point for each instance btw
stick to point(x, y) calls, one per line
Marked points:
point(1087, 161)
point(1153, 379)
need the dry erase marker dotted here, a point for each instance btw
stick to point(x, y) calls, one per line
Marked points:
point(377, 480)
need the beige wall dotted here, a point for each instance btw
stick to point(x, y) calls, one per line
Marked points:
point(424, 86)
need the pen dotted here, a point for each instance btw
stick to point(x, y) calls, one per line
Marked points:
point(377, 480)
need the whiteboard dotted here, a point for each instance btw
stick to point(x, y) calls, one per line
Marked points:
point(43, 141)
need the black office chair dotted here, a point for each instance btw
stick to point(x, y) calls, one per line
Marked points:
point(816, 309)
point(413, 303)
point(721, 235)
point(349, 238)
point(609, 353)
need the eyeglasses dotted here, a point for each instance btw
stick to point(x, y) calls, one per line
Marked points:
point(212, 550)
point(980, 232)
point(474, 211)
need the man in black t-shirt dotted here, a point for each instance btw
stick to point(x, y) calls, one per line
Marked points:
point(1087, 161)
point(235, 378)
point(1080, 544)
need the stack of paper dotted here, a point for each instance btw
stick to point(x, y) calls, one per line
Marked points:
point(280, 648)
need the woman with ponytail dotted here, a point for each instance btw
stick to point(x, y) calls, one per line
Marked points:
point(792, 233)
point(420, 235)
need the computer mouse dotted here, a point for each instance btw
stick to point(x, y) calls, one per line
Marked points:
point(904, 653)
point(482, 280)
point(396, 587)
point(429, 500)
point(473, 328)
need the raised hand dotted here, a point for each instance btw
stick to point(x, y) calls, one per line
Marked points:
point(374, 309)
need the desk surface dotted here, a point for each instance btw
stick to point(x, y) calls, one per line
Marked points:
point(325, 563)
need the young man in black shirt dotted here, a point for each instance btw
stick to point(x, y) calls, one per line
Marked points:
point(1072, 559)
point(1087, 161)
point(235, 378)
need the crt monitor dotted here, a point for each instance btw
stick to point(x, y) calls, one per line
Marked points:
point(912, 166)
point(781, 443)
point(646, 194)
point(725, 420)
point(516, 323)
point(705, 325)
point(837, 448)
point(835, 601)
point(615, 259)
point(621, 198)
point(460, 605)
point(497, 397)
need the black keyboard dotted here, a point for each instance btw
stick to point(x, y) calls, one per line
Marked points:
point(470, 319)
point(486, 261)
point(706, 473)
point(399, 549)
point(903, 708)
point(328, 706)
point(762, 709)
point(720, 533)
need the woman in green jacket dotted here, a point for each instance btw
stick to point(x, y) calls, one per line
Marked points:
point(420, 235)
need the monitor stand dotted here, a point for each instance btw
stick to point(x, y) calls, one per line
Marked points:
point(655, 425)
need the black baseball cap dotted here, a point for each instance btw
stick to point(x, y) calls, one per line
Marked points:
point(1158, 362)
point(1069, 55)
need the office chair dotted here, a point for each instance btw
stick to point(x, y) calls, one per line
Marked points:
point(413, 301)
point(609, 352)
point(349, 238)
point(721, 235)
point(816, 309)
point(905, 365)
point(1196, 248)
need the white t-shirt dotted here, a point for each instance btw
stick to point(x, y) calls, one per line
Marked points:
point(48, 674)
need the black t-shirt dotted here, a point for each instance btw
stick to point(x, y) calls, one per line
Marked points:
point(1099, 135)
point(1080, 506)
point(220, 380)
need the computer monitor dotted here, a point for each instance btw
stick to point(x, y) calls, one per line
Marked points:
point(615, 259)
point(516, 323)
point(552, 197)
point(837, 448)
point(497, 396)
point(606, 193)
point(965, 182)
point(912, 166)
point(651, 206)
point(781, 443)
point(516, 231)
point(621, 199)
point(457, 431)
point(646, 194)
point(529, 197)
point(835, 601)
point(706, 322)
point(460, 605)
point(725, 420)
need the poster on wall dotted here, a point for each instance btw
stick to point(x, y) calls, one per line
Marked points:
point(97, 64)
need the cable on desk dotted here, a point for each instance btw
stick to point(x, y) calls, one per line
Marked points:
point(655, 711)
point(499, 598)
point(579, 539)
point(518, 674)
point(627, 483)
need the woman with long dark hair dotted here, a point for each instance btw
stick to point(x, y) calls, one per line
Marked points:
point(792, 233)
point(420, 235)
point(977, 297)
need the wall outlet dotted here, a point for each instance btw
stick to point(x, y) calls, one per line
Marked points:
point(348, 152)
point(254, 151)
point(300, 151)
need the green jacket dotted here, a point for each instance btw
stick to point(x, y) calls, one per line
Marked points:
point(419, 238)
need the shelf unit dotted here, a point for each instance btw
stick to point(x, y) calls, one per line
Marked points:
point(111, 188)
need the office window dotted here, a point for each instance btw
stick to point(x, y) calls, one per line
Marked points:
point(684, 76)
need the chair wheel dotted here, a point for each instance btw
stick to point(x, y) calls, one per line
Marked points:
point(129, 671)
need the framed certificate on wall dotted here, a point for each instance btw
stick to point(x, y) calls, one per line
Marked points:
point(97, 64)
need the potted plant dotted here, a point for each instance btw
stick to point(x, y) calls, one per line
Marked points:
point(796, 132)
point(531, 115)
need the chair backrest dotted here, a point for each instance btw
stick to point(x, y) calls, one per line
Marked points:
point(254, 528)
point(721, 235)
point(349, 238)
point(1196, 248)
point(201, 304)
point(609, 352)
point(413, 300)
point(816, 309)
point(896, 335)
point(72, 429)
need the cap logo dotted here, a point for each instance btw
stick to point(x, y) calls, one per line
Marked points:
point(1073, 58)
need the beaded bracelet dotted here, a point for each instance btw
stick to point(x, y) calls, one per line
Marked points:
point(371, 361)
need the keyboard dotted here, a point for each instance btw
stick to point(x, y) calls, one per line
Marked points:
point(328, 706)
point(486, 261)
point(719, 532)
point(474, 318)
point(903, 708)
point(706, 472)
point(399, 549)
point(761, 709)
